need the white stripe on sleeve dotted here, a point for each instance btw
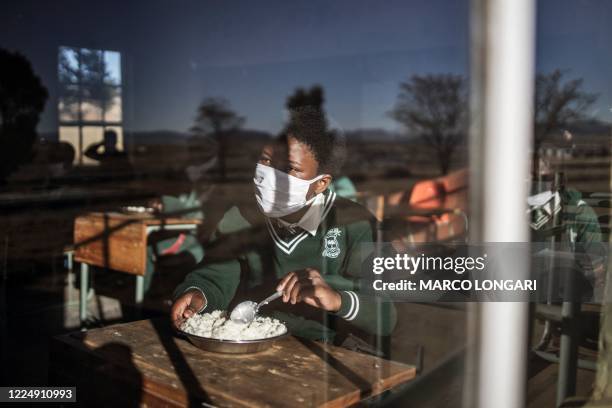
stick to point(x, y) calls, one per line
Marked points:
point(353, 315)
point(352, 305)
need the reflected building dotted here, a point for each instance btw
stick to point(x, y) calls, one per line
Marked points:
point(90, 102)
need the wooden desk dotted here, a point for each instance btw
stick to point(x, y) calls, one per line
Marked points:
point(144, 363)
point(118, 241)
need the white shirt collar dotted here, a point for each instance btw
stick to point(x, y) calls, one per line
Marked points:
point(312, 218)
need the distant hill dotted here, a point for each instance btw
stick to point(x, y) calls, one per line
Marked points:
point(592, 132)
point(375, 135)
point(162, 137)
point(174, 137)
point(156, 137)
point(590, 127)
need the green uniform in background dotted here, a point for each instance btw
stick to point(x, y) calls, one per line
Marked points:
point(250, 253)
point(344, 187)
point(583, 227)
point(581, 233)
point(187, 206)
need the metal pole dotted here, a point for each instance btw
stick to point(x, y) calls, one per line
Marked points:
point(84, 292)
point(568, 350)
point(478, 55)
point(139, 295)
point(507, 139)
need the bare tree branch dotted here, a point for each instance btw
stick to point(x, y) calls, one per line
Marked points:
point(557, 103)
point(434, 107)
point(216, 120)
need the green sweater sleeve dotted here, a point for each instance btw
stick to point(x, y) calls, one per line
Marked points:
point(374, 314)
point(218, 279)
point(585, 232)
point(184, 202)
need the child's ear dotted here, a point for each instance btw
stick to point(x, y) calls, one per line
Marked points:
point(322, 184)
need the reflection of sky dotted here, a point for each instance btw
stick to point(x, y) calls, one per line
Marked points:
point(256, 53)
point(577, 36)
point(252, 53)
point(72, 61)
point(112, 62)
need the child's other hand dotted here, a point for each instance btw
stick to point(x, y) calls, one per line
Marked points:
point(308, 286)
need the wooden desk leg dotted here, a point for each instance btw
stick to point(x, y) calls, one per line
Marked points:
point(84, 292)
point(139, 294)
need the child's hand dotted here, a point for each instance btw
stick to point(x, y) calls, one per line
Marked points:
point(308, 286)
point(188, 304)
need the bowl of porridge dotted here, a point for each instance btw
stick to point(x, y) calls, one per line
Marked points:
point(216, 332)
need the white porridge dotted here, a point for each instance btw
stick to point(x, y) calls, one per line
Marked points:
point(216, 325)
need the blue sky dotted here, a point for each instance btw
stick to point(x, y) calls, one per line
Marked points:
point(576, 36)
point(256, 53)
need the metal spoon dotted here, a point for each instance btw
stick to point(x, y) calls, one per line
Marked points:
point(246, 311)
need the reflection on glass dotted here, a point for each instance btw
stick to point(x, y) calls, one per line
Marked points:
point(68, 104)
point(70, 135)
point(103, 97)
point(119, 132)
point(68, 65)
point(91, 110)
point(112, 63)
point(69, 111)
point(113, 111)
point(91, 135)
point(91, 68)
point(90, 94)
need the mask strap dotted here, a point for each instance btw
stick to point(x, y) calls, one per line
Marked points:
point(319, 177)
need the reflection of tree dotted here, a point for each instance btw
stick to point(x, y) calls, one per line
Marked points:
point(435, 108)
point(87, 81)
point(307, 114)
point(309, 104)
point(301, 98)
point(217, 120)
point(22, 99)
point(557, 103)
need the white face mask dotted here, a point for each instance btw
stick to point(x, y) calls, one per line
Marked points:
point(279, 194)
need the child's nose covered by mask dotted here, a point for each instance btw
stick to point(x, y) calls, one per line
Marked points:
point(279, 194)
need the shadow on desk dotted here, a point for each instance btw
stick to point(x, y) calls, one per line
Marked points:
point(107, 375)
point(361, 383)
point(95, 378)
point(186, 375)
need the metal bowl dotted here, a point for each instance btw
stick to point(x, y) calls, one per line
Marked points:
point(232, 346)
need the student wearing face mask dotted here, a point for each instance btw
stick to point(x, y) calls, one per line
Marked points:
point(580, 231)
point(294, 235)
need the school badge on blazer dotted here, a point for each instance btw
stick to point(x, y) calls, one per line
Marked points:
point(332, 246)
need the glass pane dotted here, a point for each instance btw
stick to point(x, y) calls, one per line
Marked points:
point(112, 63)
point(204, 103)
point(68, 105)
point(68, 65)
point(102, 96)
point(70, 135)
point(571, 167)
point(92, 67)
point(91, 110)
point(92, 135)
point(113, 110)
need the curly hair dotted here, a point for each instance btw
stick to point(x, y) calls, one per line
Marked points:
point(309, 126)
